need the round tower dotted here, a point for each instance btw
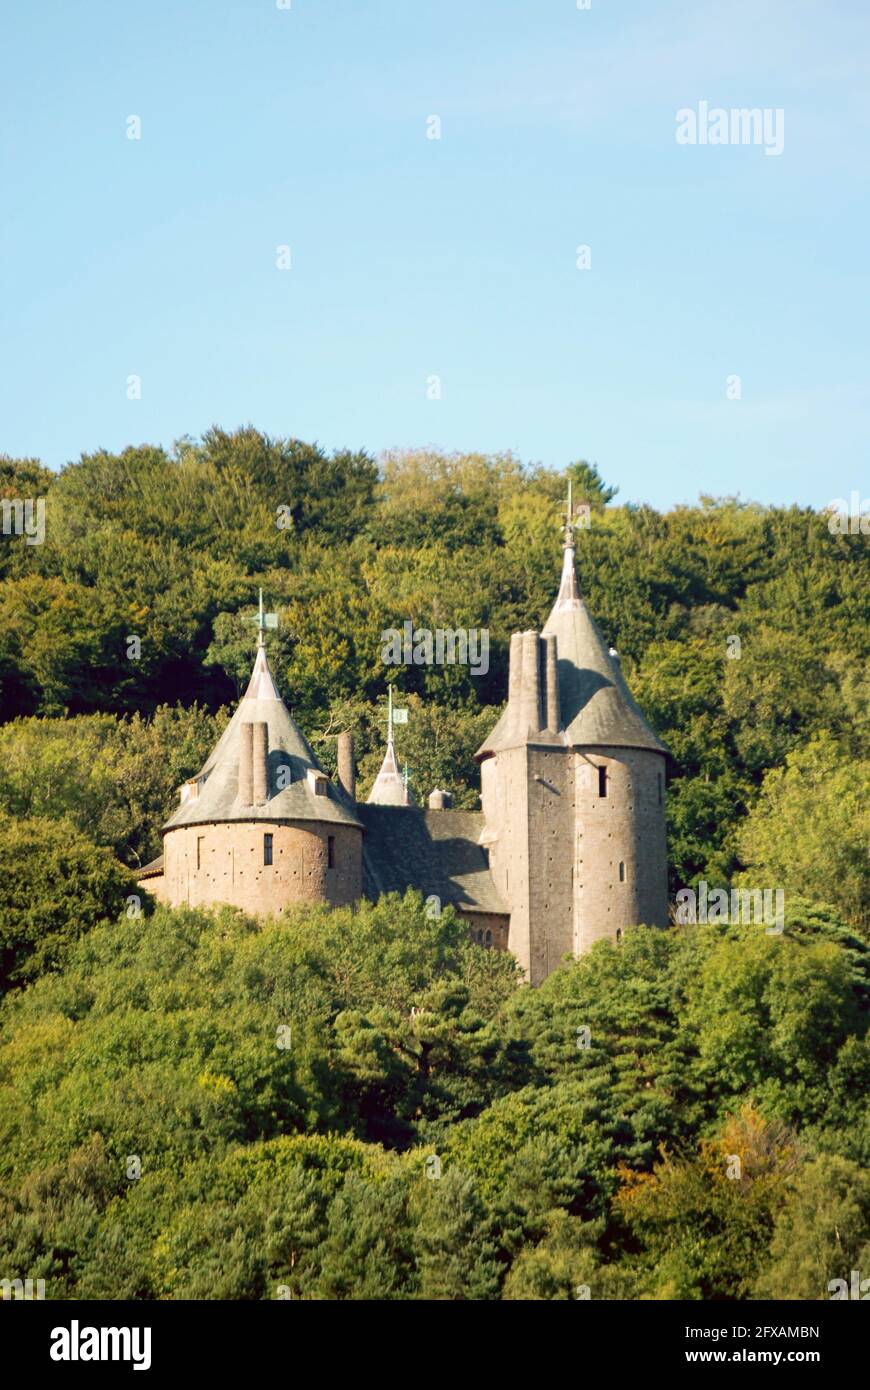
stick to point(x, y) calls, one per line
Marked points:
point(261, 826)
point(573, 792)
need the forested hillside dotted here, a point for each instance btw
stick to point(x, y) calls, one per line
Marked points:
point(427, 1127)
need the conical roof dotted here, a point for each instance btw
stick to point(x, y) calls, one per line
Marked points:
point(596, 706)
point(389, 786)
point(217, 784)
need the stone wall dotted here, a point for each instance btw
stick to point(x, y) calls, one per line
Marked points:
point(205, 865)
point(624, 828)
point(574, 866)
point(504, 798)
point(488, 928)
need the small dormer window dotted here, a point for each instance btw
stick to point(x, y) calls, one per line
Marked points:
point(317, 781)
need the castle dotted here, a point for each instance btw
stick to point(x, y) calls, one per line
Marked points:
point(567, 848)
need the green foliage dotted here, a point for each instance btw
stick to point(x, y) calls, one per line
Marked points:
point(312, 1170)
point(822, 1234)
point(589, 486)
point(171, 547)
point(56, 885)
point(702, 1225)
point(116, 779)
point(586, 1130)
point(809, 829)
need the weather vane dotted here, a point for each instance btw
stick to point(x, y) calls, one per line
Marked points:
point(394, 716)
point(263, 620)
point(569, 517)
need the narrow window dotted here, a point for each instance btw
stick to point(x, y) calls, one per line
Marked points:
point(622, 873)
point(602, 781)
point(489, 938)
point(330, 851)
point(267, 849)
point(660, 788)
point(619, 933)
point(199, 840)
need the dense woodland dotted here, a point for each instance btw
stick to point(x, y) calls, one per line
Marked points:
point(305, 1161)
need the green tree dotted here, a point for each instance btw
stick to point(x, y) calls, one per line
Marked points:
point(57, 885)
point(809, 829)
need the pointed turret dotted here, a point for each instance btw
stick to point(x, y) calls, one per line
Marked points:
point(595, 706)
point(390, 787)
point(572, 791)
point(262, 767)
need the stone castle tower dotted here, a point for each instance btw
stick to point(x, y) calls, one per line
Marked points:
point(568, 848)
point(261, 825)
point(573, 791)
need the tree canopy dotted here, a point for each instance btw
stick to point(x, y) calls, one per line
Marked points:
point(363, 1103)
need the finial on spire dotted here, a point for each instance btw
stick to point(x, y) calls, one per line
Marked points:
point(569, 518)
point(390, 787)
point(569, 594)
point(394, 716)
point(263, 620)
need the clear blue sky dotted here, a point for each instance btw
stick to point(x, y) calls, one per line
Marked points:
point(412, 257)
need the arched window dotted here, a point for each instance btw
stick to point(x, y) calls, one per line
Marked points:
point(619, 934)
point(489, 938)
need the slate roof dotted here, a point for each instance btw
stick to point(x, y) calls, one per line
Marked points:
point(596, 706)
point(389, 786)
point(218, 796)
point(436, 852)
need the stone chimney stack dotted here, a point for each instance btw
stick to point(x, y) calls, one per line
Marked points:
point(259, 754)
point(246, 765)
point(551, 683)
point(346, 773)
point(439, 800)
point(515, 679)
point(531, 687)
